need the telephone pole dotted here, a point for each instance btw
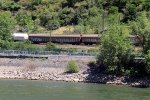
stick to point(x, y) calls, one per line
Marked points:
point(103, 21)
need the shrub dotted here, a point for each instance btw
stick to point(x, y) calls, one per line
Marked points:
point(72, 67)
point(26, 45)
point(50, 46)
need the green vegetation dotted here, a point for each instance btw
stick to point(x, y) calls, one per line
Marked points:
point(7, 24)
point(86, 15)
point(50, 46)
point(8, 45)
point(115, 49)
point(114, 20)
point(72, 67)
point(117, 54)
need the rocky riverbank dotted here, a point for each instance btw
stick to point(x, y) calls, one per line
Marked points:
point(42, 69)
point(50, 70)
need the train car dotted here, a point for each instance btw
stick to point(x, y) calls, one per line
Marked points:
point(87, 39)
point(90, 39)
point(20, 36)
point(39, 38)
point(68, 39)
point(44, 38)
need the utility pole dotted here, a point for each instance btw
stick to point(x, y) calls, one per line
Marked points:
point(119, 19)
point(103, 21)
point(119, 23)
point(50, 36)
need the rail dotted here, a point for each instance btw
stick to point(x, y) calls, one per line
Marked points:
point(54, 54)
point(44, 53)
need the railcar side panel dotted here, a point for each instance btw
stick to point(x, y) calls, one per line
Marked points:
point(39, 39)
point(65, 39)
point(90, 40)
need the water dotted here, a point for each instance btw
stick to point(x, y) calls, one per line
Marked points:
point(47, 90)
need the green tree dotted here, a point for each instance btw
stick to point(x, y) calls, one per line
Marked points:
point(71, 2)
point(53, 24)
point(141, 28)
point(131, 13)
point(24, 19)
point(7, 25)
point(36, 2)
point(67, 15)
point(10, 5)
point(147, 5)
point(114, 50)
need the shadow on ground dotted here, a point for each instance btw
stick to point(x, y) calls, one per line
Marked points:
point(97, 74)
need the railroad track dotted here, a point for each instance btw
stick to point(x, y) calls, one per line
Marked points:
point(44, 54)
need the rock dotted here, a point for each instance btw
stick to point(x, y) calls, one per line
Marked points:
point(76, 80)
point(140, 85)
point(109, 82)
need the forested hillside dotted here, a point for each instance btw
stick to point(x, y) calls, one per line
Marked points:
point(86, 16)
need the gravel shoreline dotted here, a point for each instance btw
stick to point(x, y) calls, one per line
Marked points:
point(38, 69)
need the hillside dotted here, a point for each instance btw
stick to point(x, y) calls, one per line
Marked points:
point(113, 20)
point(86, 16)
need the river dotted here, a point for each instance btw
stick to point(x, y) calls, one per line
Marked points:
point(48, 90)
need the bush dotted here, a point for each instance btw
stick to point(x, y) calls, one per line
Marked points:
point(72, 67)
point(50, 46)
point(26, 45)
point(5, 45)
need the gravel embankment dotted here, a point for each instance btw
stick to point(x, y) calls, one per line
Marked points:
point(41, 69)
point(48, 69)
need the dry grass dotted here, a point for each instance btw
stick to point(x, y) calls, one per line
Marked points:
point(61, 30)
point(1, 62)
point(66, 46)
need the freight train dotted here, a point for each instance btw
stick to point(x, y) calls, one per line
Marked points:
point(87, 39)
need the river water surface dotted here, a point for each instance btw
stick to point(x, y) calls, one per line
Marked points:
point(47, 90)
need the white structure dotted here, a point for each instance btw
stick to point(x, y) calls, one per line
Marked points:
point(20, 36)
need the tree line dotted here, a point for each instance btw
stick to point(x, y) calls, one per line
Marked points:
point(44, 15)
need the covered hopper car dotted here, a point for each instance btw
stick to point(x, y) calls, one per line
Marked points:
point(20, 36)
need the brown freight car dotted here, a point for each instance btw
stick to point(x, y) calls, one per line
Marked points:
point(72, 39)
point(68, 39)
point(90, 39)
point(39, 38)
point(44, 38)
